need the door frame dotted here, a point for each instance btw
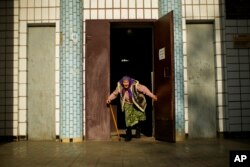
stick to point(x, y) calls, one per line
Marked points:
point(145, 22)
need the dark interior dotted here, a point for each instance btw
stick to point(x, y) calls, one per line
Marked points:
point(131, 54)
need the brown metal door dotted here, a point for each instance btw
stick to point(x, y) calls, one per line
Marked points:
point(164, 79)
point(97, 79)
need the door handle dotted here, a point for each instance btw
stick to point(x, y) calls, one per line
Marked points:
point(166, 72)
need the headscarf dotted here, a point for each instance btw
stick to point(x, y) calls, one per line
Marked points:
point(130, 83)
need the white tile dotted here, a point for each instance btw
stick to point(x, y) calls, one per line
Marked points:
point(22, 89)
point(16, 11)
point(57, 38)
point(184, 61)
point(219, 61)
point(196, 11)
point(101, 14)
point(220, 87)
point(117, 13)
point(38, 13)
point(23, 14)
point(23, 39)
point(93, 14)
point(189, 11)
point(132, 14)
point(124, 4)
point(186, 101)
point(86, 14)
point(57, 13)
point(57, 128)
point(22, 64)
point(124, 14)
point(45, 13)
point(139, 13)
point(22, 103)
point(31, 14)
point(216, 1)
point(52, 3)
point(139, 3)
point(185, 48)
point(183, 14)
point(23, 27)
point(109, 14)
point(147, 14)
point(22, 115)
point(154, 4)
point(86, 4)
point(155, 13)
point(218, 47)
point(203, 10)
point(101, 4)
point(109, 3)
point(219, 73)
point(196, 2)
point(52, 13)
point(117, 4)
point(210, 2)
point(57, 115)
point(93, 3)
point(185, 87)
point(57, 51)
point(185, 75)
point(218, 35)
point(220, 112)
point(221, 125)
point(57, 77)
point(188, 2)
point(23, 3)
point(45, 3)
point(216, 11)
point(22, 77)
point(31, 3)
point(147, 3)
point(57, 102)
point(22, 129)
point(131, 3)
point(38, 3)
point(210, 10)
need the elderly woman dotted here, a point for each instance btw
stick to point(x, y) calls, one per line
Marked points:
point(133, 102)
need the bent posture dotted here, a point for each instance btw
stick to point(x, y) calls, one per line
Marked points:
point(133, 102)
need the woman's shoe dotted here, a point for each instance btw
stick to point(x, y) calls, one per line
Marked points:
point(128, 134)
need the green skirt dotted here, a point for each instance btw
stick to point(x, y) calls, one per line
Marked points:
point(133, 115)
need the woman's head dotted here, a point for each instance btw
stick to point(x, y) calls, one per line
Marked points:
point(126, 81)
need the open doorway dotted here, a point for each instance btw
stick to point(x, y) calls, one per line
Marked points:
point(149, 47)
point(131, 53)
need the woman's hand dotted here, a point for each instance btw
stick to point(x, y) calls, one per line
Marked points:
point(155, 98)
point(108, 101)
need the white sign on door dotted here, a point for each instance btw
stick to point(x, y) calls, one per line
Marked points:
point(161, 53)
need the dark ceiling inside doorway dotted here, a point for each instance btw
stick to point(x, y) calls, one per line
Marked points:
point(131, 52)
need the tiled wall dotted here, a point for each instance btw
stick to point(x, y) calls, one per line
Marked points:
point(71, 70)
point(9, 68)
point(237, 75)
point(206, 10)
point(30, 12)
point(118, 9)
point(165, 7)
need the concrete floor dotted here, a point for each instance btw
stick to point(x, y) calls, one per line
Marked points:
point(143, 152)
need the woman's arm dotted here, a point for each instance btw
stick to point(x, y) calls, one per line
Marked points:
point(112, 96)
point(146, 91)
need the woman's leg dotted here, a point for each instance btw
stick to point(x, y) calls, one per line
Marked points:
point(128, 134)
